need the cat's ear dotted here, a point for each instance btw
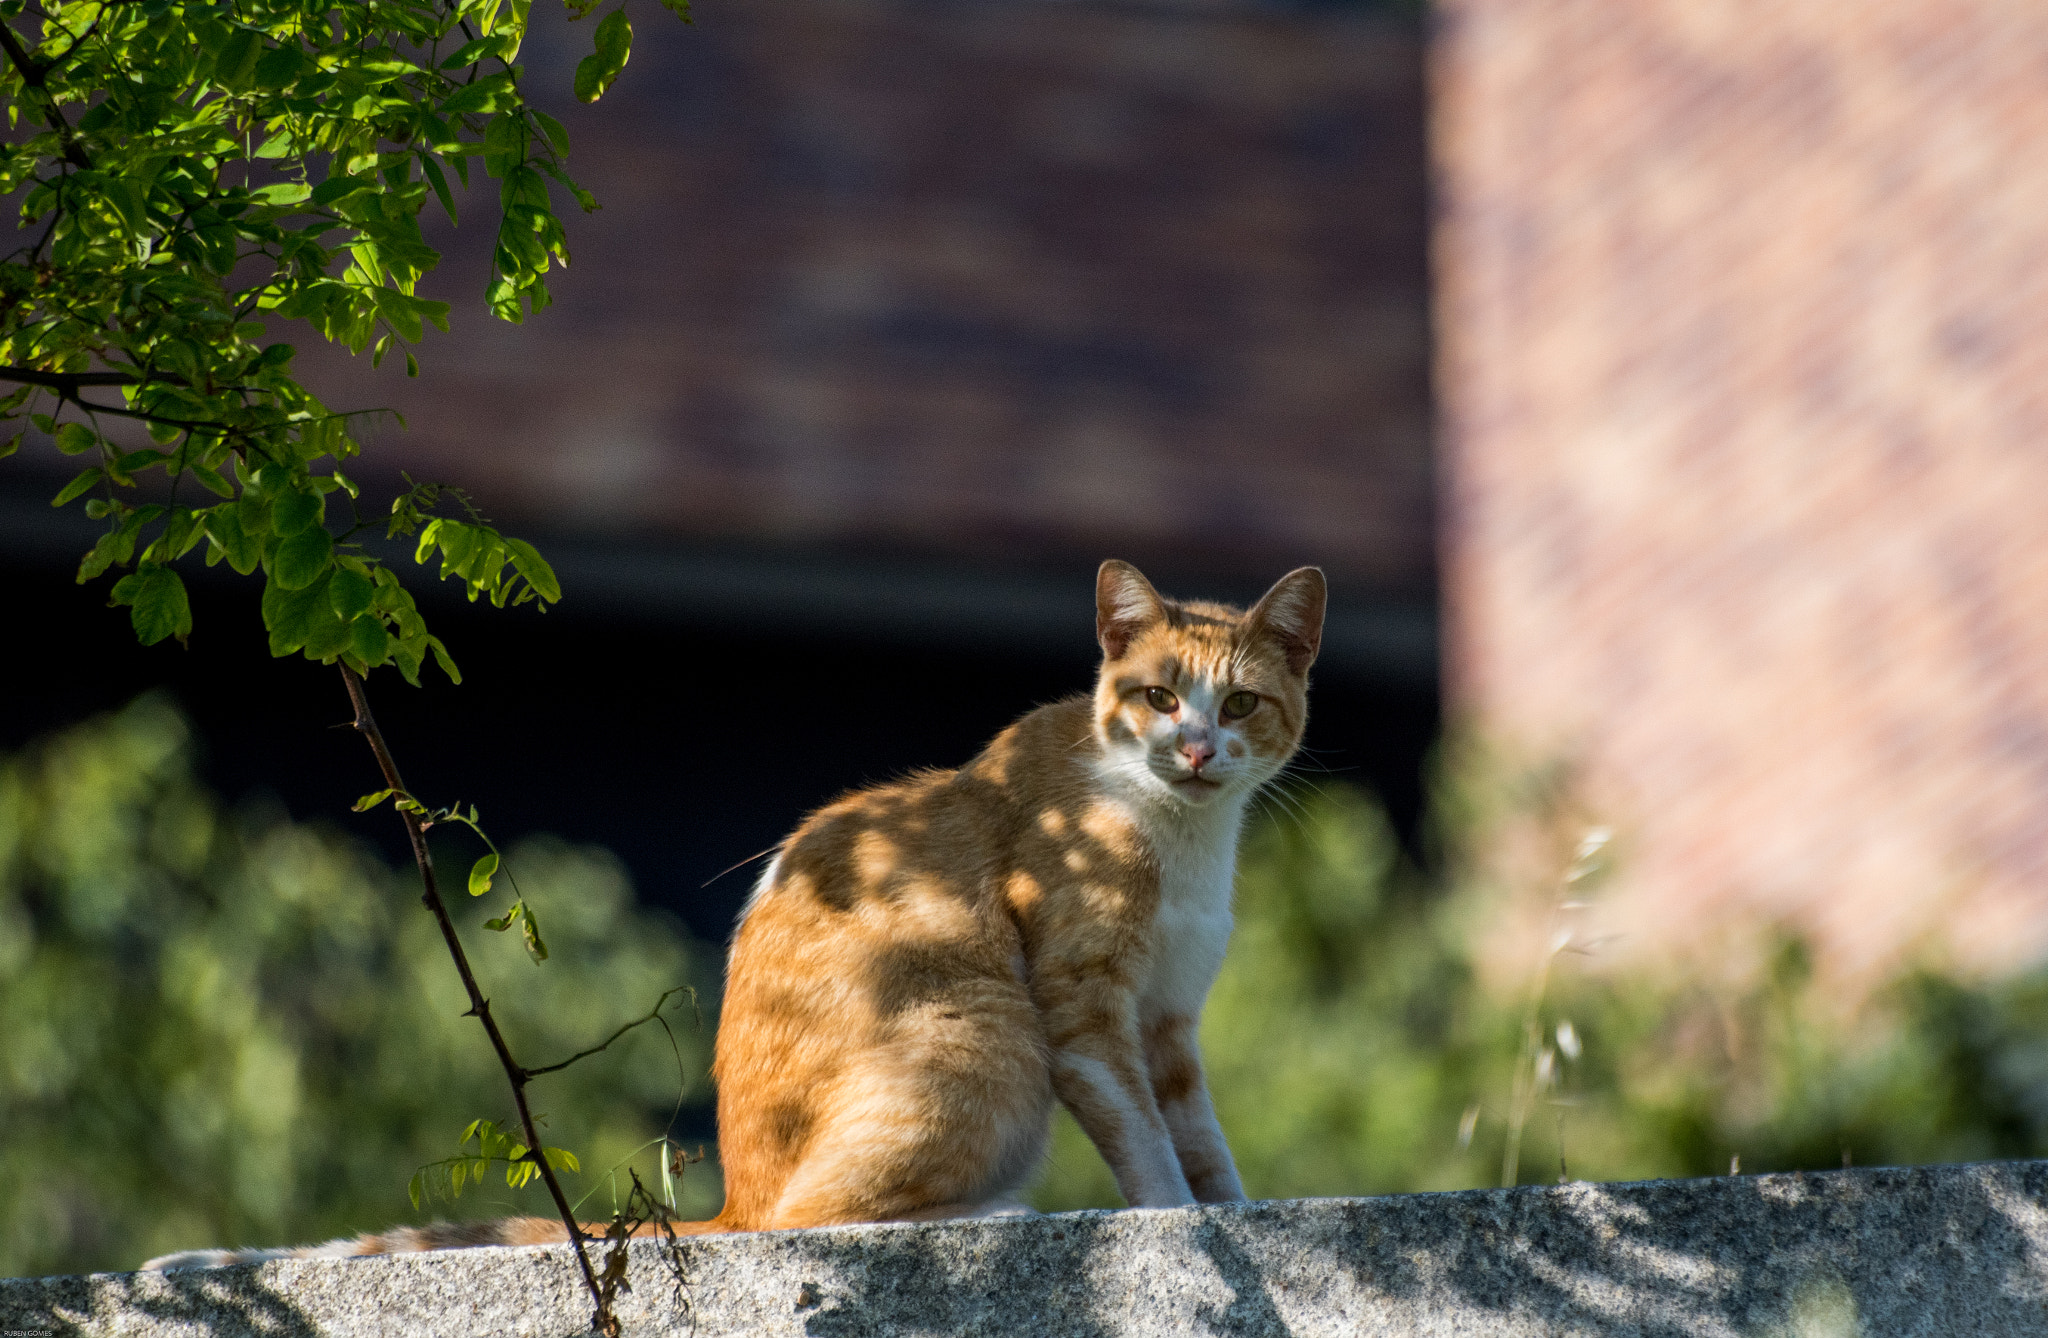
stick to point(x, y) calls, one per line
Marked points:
point(1125, 605)
point(1292, 614)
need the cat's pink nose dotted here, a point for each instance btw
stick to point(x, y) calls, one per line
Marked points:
point(1198, 754)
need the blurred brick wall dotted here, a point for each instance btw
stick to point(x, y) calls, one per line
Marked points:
point(1744, 367)
point(997, 281)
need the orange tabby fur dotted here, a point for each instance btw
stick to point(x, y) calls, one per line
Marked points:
point(927, 966)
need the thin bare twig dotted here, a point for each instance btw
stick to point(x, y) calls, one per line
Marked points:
point(479, 1007)
point(653, 1016)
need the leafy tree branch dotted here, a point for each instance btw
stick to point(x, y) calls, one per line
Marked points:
point(205, 169)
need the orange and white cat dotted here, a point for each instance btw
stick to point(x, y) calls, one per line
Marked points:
point(925, 967)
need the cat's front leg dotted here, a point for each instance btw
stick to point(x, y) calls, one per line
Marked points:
point(1173, 1059)
point(1098, 1071)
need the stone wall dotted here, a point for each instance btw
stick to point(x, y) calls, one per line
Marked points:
point(1934, 1252)
point(1744, 373)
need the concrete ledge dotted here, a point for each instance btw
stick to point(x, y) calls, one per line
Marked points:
point(1943, 1250)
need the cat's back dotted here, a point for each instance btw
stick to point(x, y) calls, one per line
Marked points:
point(943, 832)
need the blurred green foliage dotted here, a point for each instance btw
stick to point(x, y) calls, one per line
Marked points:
point(222, 1028)
point(226, 1028)
point(1352, 1038)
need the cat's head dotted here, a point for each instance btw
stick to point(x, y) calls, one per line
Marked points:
point(1198, 702)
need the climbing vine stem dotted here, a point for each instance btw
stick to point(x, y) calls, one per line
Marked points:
point(603, 1319)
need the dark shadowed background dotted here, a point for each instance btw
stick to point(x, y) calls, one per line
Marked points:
point(896, 320)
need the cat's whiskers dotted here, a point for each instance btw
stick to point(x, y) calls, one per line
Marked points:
point(1306, 758)
point(1279, 794)
point(1285, 804)
point(1294, 775)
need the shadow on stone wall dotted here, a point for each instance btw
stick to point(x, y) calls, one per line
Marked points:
point(1960, 1250)
point(1930, 1250)
point(216, 1301)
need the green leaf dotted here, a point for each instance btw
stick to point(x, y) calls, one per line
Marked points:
point(469, 53)
point(131, 461)
point(76, 439)
point(11, 445)
point(253, 511)
point(116, 546)
point(553, 131)
point(613, 43)
point(105, 553)
point(584, 199)
point(78, 486)
point(444, 659)
point(234, 66)
point(326, 635)
point(493, 93)
point(285, 193)
point(536, 947)
point(292, 512)
point(300, 559)
point(350, 593)
point(279, 67)
point(243, 551)
point(370, 640)
point(480, 874)
point(456, 541)
point(340, 187)
point(130, 199)
point(407, 652)
point(527, 561)
point(370, 801)
point(293, 615)
point(439, 182)
point(181, 532)
point(211, 480)
point(504, 145)
point(160, 606)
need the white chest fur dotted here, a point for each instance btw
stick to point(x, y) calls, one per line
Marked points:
point(1191, 929)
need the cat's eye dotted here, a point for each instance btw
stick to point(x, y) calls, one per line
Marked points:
point(1162, 701)
point(1238, 705)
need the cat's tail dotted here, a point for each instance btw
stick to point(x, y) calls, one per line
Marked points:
point(433, 1236)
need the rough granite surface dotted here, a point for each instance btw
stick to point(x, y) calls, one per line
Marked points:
point(1896, 1253)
